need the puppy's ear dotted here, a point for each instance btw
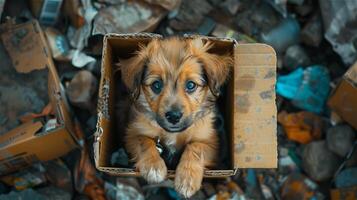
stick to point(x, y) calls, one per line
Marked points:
point(132, 70)
point(216, 67)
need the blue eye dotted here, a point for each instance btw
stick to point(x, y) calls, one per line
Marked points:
point(190, 86)
point(156, 86)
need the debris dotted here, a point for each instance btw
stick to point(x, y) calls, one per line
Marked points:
point(226, 32)
point(35, 86)
point(81, 59)
point(337, 18)
point(297, 186)
point(129, 17)
point(284, 35)
point(318, 162)
point(58, 174)
point(47, 11)
point(347, 178)
point(208, 189)
point(312, 32)
point(190, 15)
point(232, 6)
point(122, 191)
point(85, 176)
point(335, 119)
point(295, 57)
point(344, 193)
point(23, 195)
point(58, 44)
point(308, 89)
point(344, 98)
point(167, 4)
point(288, 162)
point(296, 2)
point(81, 90)
point(302, 127)
point(2, 3)
point(16, 99)
point(120, 158)
point(27, 178)
point(340, 139)
point(206, 27)
point(72, 10)
point(54, 193)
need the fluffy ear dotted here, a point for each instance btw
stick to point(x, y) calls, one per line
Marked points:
point(132, 70)
point(216, 67)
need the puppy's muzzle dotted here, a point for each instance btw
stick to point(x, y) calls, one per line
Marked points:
point(173, 116)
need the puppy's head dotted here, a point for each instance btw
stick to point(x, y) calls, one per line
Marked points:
point(174, 81)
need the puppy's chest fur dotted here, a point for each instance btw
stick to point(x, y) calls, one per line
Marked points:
point(201, 130)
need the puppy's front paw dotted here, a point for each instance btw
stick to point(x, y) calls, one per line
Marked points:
point(153, 170)
point(188, 178)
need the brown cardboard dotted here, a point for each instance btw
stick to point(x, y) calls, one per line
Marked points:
point(344, 99)
point(29, 143)
point(251, 124)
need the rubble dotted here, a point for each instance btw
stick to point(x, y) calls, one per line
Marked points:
point(127, 17)
point(340, 139)
point(337, 17)
point(189, 15)
point(312, 33)
point(295, 57)
point(297, 186)
point(318, 162)
point(81, 89)
point(302, 127)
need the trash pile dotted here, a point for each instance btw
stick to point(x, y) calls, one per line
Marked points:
point(50, 52)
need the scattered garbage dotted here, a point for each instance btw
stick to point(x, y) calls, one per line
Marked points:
point(46, 141)
point(344, 97)
point(340, 139)
point(307, 88)
point(337, 18)
point(295, 57)
point(318, 161)
point(347, 178)
point(312, 33)
point(284, 35)
point(302, 127)
point(81, 90)
point(297, 186)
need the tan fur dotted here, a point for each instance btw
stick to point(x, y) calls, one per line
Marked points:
point(174, 61)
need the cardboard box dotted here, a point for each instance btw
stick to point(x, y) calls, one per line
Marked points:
point(249, 108)
point(344, 98)
point(30, 142)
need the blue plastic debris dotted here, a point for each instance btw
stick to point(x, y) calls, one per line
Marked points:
point(307, 88)
point(347, 178)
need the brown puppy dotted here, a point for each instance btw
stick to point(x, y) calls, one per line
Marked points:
point(174, 83)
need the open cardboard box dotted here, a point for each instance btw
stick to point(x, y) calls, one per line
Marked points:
point(29, 142)
point(249, 104)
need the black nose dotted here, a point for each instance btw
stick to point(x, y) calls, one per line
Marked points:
point(173, 116)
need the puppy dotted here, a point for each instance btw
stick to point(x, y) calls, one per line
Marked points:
point(174, 84)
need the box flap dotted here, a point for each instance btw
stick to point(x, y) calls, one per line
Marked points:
point(20, 133)
point(255, 140)
point(25, 48)
point(351, 75)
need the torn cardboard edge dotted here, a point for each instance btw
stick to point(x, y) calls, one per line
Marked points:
point(252, 124)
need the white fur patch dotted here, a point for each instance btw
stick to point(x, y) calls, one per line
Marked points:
point(155, 175)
